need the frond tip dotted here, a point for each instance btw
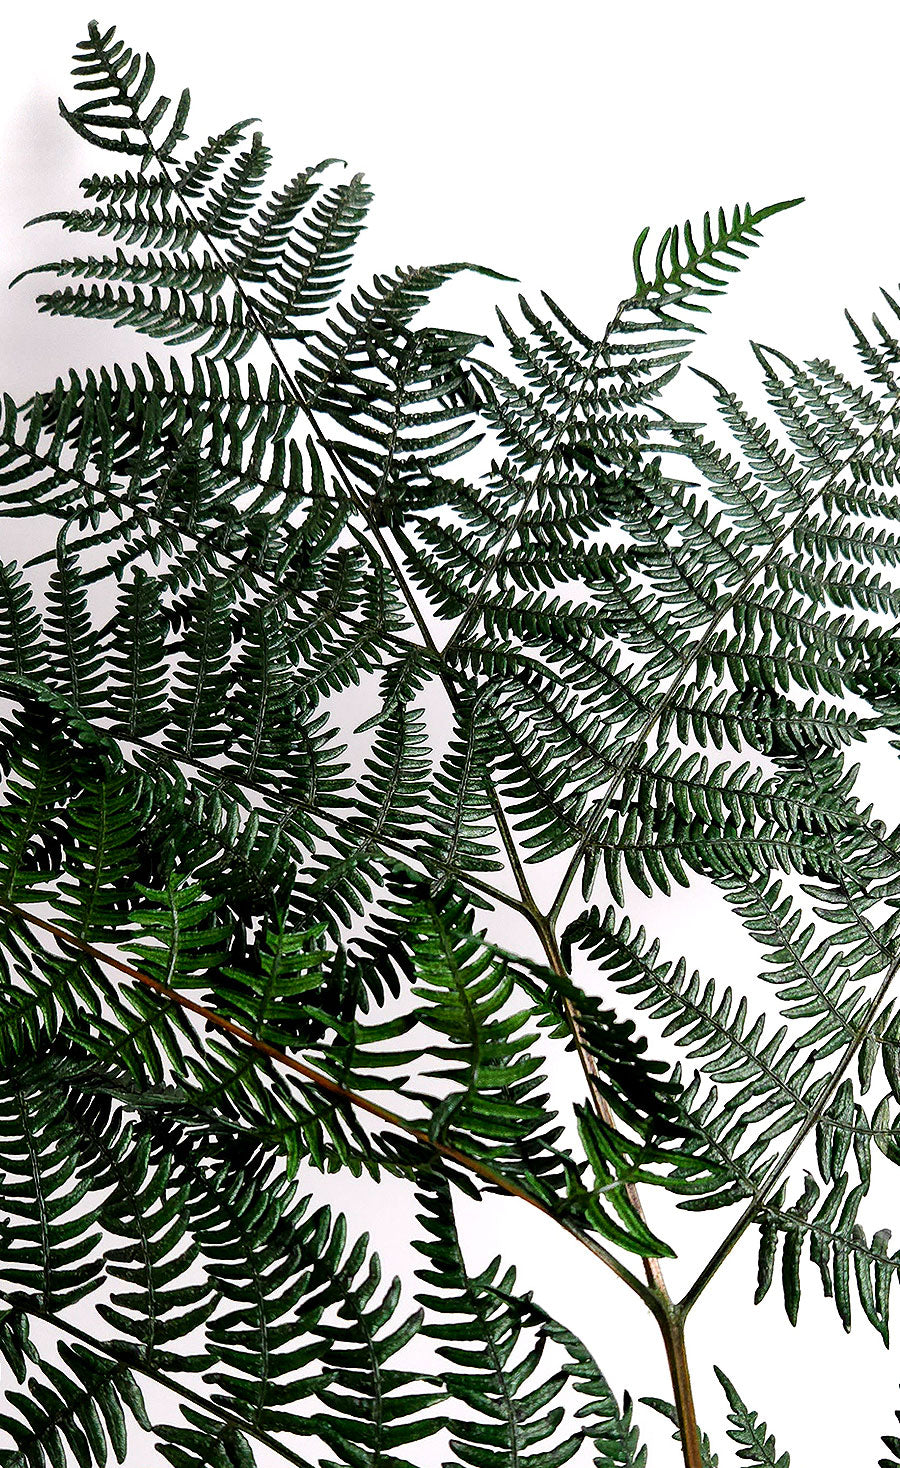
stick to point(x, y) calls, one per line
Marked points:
point(683, 270)
point(757, 1442)
point(121, 83)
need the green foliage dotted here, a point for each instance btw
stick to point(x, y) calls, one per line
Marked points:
point(757, 1444)
point(494, 1364)
point(292, 708)
point(892, 1443)
point(708, 1457)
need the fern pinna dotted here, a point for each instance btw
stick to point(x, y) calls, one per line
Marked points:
point(316, 756)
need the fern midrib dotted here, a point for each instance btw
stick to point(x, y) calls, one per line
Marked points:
point(377, 1399)
point(499, 1371)
point(70, 609)
point(172, 936)
point(136, 668)
point(262, 1334)
point(789, 1219)
point(263, 695)
point(470, 1088)
point(202, 662)
point(37, 1179)
point(265, 992)
point(399, 400)
point(100, 837)
point(140, 1220)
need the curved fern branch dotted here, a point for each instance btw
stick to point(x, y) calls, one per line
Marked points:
point(326, 1084)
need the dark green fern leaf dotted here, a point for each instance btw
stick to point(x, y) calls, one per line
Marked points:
point(684, 270)
point(497, 1376)
point(757, 1444)
point(120, 114)
point(79, 1406)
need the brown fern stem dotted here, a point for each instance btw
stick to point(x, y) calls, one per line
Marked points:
point(324, 1083)
point(671, 1323)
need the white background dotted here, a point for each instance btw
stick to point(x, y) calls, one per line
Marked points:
point(539, 141)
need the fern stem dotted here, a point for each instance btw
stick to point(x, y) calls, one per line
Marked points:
point(333, 1088)
point(668, 1315)
point(527, 905)
point(780, 1164)
point(672, 1326)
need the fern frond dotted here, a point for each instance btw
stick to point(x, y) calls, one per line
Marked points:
point(146, 1209)
point(79, 1407)
point(608, 1428)
point(683, 270)
point(141, 225)
point(313, 253)
point(226, 207)
point(20, 624)
point(757, 1443)
point(201, 681)
point(502, 1423)
point(774, 1076)
point(614, 1439)
point(138, 675)
point(374, 325)
point(104, 821)
point(462, 826)
point(220, 331)
point(50, 1242)
point(491, 1104)
point(75, 661)
point(835, 1239)
point(37, 768)
point(172, 272)
point(121, 86)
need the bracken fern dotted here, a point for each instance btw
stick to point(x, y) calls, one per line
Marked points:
point(246, 932)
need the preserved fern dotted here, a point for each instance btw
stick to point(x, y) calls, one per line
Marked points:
point(298, 717)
